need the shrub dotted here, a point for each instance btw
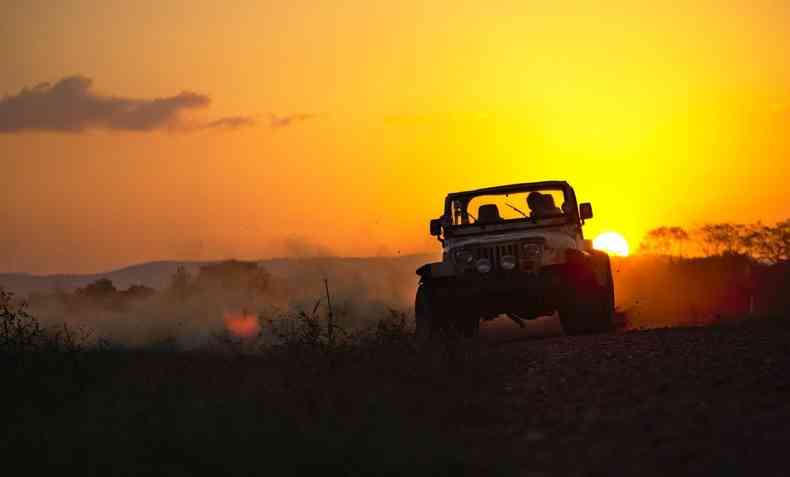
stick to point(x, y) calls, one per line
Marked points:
point(19, 331)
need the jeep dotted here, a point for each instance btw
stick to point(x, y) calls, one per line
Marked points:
point(517, 250)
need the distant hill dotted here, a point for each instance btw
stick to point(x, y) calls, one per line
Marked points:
point(158, 274)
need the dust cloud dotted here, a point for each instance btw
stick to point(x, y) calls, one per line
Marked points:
point(233, 299)
point(657, 292)
point(214, 304)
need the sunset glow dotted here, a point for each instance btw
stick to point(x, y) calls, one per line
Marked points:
point(267, 129)
point(611, 243)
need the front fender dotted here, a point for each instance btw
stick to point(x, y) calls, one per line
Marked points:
point(436, 270)
point(595, 263)
point(601, 266)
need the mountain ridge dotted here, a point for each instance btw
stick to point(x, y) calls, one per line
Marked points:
point(157, 273)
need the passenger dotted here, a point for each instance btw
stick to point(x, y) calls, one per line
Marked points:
point(541, 205)
point(550, 206)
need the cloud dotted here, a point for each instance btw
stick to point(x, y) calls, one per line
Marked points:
point(232, 122)
point(71, 105)
point(278, 122)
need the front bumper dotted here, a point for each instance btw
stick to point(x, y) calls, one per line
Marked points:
point(502, 291)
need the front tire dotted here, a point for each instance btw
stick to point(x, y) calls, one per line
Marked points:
point(429, 321)
point(469, 326)
point(434, 318)
point(590, 308)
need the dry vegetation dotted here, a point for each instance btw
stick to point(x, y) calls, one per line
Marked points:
point(680, 401)
point(363, 402)
point(358, 397)
point(759, 242)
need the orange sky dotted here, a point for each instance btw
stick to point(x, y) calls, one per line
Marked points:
point(657, 114)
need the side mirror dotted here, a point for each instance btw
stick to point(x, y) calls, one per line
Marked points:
point(436, 227)
point(585, 211)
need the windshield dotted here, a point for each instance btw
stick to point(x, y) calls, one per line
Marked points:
point(530, 205)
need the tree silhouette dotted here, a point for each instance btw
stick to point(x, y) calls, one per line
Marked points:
point(761, 243)
point(768, 244)
point(100, 289)
point(722, 239)
point(668, 241)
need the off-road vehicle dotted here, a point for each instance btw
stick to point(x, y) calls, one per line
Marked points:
point(517, 250)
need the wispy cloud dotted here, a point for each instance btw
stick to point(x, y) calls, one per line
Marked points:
point(231, 122)
point(278, 122)
point(71, 105)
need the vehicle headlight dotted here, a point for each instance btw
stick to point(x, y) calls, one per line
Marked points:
point(532, 250)
point(484, 265)
point(508, 262)
point(464, 256)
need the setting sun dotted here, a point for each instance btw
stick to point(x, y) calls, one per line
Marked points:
point(611, 243)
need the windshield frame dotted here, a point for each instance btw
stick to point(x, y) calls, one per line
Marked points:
point(511, 224)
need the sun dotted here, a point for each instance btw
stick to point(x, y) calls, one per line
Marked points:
point(611, 243)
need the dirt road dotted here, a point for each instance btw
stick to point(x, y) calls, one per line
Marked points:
point(503, 330)
point(681, 401)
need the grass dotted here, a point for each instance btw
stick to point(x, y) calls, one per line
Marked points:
point(362, 403)
point(371, 402)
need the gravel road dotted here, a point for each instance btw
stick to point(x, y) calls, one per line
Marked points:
point(675, 401)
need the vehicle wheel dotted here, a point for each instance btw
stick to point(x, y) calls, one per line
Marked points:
point(469, 326)
point(428, 317)
point(590, 309)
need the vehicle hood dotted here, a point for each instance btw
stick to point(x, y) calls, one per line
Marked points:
point(555, 238)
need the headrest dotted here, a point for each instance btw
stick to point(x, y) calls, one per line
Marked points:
point(488, 213)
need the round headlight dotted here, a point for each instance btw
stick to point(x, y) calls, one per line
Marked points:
point(464, 256)
point(508, 262)
point(484, 265)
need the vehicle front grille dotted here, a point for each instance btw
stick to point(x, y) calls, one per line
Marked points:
point(496, 251)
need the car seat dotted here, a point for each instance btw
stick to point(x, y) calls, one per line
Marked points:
point(488, 214)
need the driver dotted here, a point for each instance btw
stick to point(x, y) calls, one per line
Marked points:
point(542, 205)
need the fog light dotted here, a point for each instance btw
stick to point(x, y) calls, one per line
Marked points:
point(508, 262)
point(484, 265)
